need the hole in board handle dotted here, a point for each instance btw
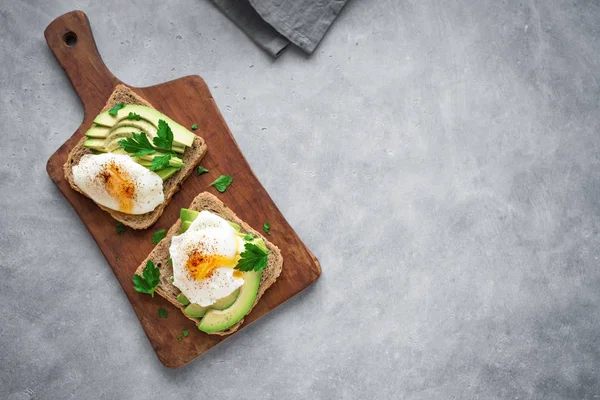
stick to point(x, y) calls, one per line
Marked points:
point(70, 39)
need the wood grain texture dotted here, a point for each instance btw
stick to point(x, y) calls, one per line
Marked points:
point(187, 100)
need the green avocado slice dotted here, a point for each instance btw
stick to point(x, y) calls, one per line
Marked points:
point(182, 299)
point(185, 225)
point(94, 144)
point(188, 215)
point(195, 311)
point(220, 320)
point(167, 172)
point(96, 131)
point(226, 302)
point(181, 135)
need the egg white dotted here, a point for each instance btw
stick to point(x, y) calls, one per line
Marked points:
point(209, 234)
point(148, 186)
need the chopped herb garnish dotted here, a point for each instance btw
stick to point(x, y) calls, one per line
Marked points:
point(252, 259)
point(162, 313)
point(149, 280)
point(160, 162)
point(201, 170)
point(185, 332)
point(164, 138)
point(138, 144)
point(120, 227)
point(170, 262)
point(134, 116)
point(115, 110)
point(179, 338)
point(194, 127)
point(158, 236)
point(267, 228)
point(248, 237)
point(222, 182)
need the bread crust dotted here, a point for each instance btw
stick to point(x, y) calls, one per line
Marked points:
point(191, 158)
point(160, 256)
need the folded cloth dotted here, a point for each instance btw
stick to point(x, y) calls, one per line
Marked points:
point(302, 22)
point(248, 20)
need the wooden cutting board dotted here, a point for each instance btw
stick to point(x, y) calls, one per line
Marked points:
point(188, 101)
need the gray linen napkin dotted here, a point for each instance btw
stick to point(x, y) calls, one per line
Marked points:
point(249, 21)
point(272, 23)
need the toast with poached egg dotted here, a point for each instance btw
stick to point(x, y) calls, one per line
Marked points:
point(191, 158)
point(162, 259)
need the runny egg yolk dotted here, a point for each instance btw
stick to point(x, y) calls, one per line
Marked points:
point(201, 266)
point(119, 185)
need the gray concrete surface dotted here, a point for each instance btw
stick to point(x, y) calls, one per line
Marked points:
point(442, 160)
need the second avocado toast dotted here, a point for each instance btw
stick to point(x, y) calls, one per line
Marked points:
point(226, 318)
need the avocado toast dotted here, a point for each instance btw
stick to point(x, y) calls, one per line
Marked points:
point(172, 177)
point(227, 314)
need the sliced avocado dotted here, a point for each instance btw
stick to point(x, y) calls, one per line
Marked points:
point(173, 162)
point(185, 225)
point(182, 299)
point(180, 134)
point(167, 172)
point(234, 225)
point(188, 215)
point(143, 163)
point(126, 128)
point(220, 320)
point(94, 144)
point(227, 301)
point(99, 132)
point(195, 311)
point(120, 151)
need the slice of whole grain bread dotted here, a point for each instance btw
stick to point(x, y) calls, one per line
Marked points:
point(160, 255)
point(191, 158)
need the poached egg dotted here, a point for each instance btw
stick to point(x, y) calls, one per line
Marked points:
point(117, 182)
point(203, 259)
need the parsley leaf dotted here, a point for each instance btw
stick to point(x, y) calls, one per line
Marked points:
point(179, 338)
point(252, 259)
point(222, 182)
point(120, 228)
point(158, 236)
point(185, 332)
point(138, 144)
point(267, 228)
point(248, 237)
point(160, 162)
point(115, 110)
point(194, 127)
point(149, 280)
point(134, 116)
point(201, 170)
point(164, 138)
point(162, 313)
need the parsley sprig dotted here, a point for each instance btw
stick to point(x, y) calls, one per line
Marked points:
point(158, 236)
point(253, 258)
point(139, 145)
point(148, 281)
point(222, 182)
point(115, 110)
point(164, 136)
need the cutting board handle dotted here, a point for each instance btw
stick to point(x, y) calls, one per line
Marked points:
point(70, 39)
